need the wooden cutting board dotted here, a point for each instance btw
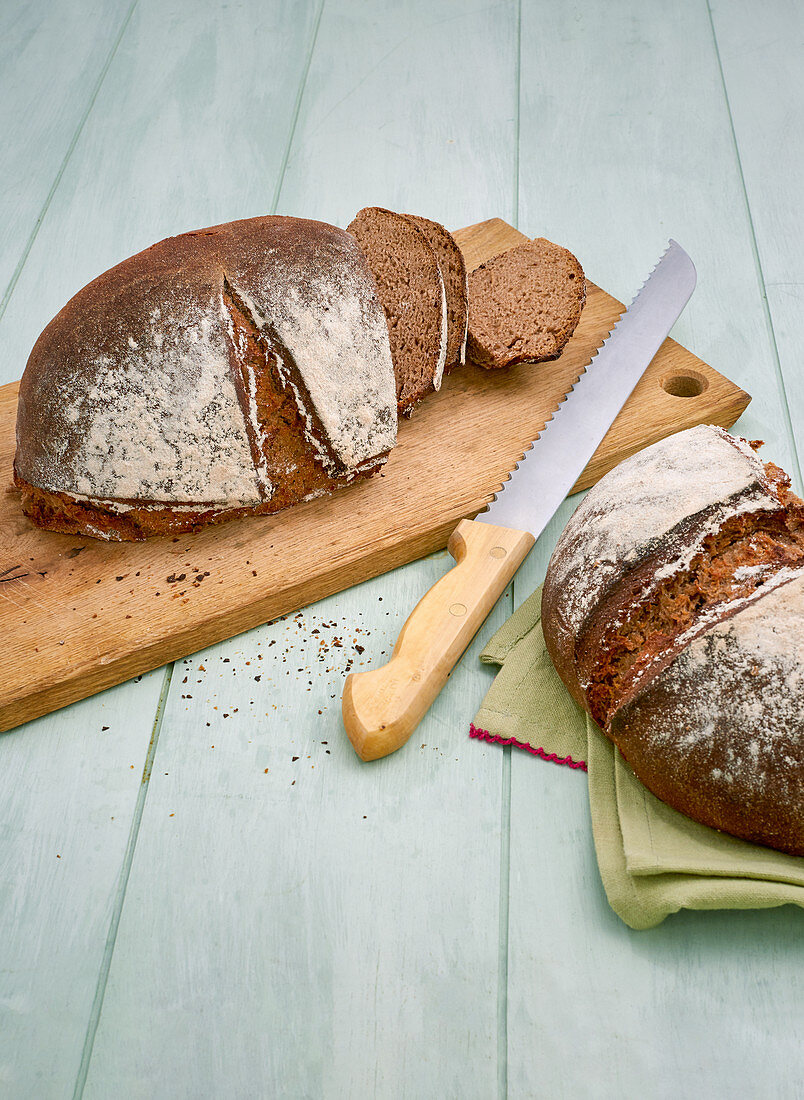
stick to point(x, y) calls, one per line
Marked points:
point(78, 615)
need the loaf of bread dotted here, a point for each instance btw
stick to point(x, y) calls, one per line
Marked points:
point(237, 369)
point(673, 609)
point(524, 305)
point(453, 273)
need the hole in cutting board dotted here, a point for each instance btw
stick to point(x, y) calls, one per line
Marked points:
point(690, 384)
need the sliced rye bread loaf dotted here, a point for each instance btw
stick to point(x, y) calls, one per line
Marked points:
point(237, 369)
point(524, 305)
point(411, 289)
point(453, 272)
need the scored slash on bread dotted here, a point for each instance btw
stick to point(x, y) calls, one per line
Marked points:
point(524, 305)
point(673, 609)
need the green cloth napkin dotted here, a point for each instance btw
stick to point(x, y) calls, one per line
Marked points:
point(653, 861)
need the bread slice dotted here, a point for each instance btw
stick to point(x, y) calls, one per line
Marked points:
point(453, 272)
point(412, 292)
point(524, 305)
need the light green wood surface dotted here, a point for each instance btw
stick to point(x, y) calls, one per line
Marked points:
point(665, 1012)
point(71, 791)
point(53, 59)
point(183, 920)
point(351, 907)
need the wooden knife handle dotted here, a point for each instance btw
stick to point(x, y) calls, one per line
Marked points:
point(382, 707)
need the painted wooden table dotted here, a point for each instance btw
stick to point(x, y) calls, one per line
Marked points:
point(203, 893)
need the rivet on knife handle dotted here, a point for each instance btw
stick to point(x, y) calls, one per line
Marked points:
point(381, 708)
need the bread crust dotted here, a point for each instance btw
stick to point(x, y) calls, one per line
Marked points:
point(135, 521)
point(681, 578)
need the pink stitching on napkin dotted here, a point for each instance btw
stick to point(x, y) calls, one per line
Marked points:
point(484, 735)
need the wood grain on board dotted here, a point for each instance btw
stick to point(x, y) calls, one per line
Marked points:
point(79, 615)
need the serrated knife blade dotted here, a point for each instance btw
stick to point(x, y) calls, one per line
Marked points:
point(558, 455)
point(383, 706)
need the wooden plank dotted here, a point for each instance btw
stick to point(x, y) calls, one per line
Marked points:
point(753, 42)
point(394, 120)
point(628, 177)
point(592, 1006)
point(45, 93)
point(69, 785)
point(700, 1005)
point(117, 610)
point(167, 118)
point(69, 789)
point(344, 957)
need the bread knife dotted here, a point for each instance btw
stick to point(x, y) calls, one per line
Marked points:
point(383, 706)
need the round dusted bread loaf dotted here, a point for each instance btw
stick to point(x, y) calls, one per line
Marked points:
point(673, 609)
point(413, 294)
point(235, 369)
point(524, 305)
